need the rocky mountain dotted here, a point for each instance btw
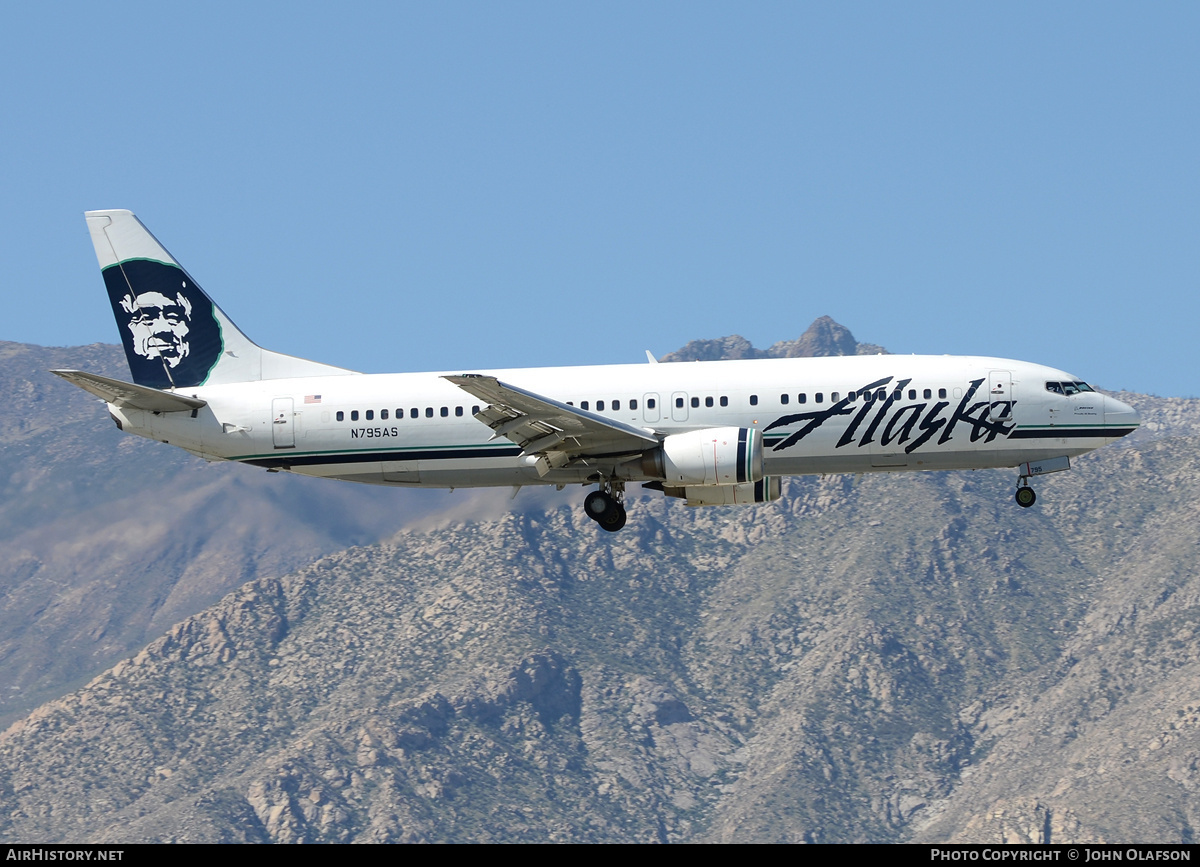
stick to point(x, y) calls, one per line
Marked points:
point(885, 657)
point(108, 539)
point(823, 338)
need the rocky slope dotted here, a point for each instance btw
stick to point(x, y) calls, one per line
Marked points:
point(888, 657)
point(108, 539)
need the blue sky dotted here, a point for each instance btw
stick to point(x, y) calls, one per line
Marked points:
point(463, 185)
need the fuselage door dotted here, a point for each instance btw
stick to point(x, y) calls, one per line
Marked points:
point(283, 429)
point(650, 409)
point(679, 406)
point(1000, 400)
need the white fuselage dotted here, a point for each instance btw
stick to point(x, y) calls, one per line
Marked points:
point(925, 413)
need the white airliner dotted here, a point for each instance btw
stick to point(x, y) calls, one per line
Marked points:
point(713, 433)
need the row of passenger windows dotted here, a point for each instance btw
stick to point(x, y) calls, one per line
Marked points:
point(784, 399)
point(652, 403)
point(615, 404)
point(878, 394)
point(414, 412)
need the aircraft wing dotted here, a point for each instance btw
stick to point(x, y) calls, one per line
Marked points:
point(545, 427)
point(128, 394)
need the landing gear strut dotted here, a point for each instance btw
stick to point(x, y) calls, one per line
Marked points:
point(1025, 495)
point(606, 506)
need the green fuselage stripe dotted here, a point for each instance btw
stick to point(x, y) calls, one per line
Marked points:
point(1053, 426)
point(441, 447)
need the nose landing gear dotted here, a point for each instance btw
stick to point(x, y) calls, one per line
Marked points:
point(606, 506)
point(1025, 495)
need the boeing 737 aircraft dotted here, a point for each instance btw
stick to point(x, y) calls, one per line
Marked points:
point(713, 433)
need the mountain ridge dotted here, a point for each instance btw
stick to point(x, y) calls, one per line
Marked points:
point(823, 338)
point(882, 658)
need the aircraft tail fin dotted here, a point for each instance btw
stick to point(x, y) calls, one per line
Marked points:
point(174, 335)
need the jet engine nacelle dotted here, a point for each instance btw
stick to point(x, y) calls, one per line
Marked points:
point(766, 490)
point(713, 456)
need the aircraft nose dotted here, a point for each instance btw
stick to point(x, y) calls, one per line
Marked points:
point(1119, 417)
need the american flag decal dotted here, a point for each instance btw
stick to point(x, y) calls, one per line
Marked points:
point(312, 398)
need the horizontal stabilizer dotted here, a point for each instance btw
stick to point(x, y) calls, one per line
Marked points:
point(127, 394)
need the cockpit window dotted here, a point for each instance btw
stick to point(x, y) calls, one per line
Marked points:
point(1068, 388)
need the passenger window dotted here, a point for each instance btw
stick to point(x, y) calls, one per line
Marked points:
point(458, 411)
point(353, 415)
point(414, 412)
point(912, 394)
point(897, 394)
point(633, 403)
point(341, 416)
point(383, 414)
point(880, 395)
point(820, 397)
point(942, 393)
point(475, 410)
point(927, 393)
point(708, 401)
point(651, 403)
point(724, 400)
point(400, 414)
point(679, 402)
point(445, 412)
point(428, 412)
point(583, 404)
point(599, 406)
point(850, 395)
point(802, 397)
point(370, 415)
point(695, 402)
point(754, 400)
point(834, 397)
point(783, 399)
point(616, 405)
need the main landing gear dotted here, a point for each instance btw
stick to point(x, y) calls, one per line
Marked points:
point(606, 506)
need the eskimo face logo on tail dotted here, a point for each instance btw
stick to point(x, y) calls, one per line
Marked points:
point(167, 325)
point(159, 325)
